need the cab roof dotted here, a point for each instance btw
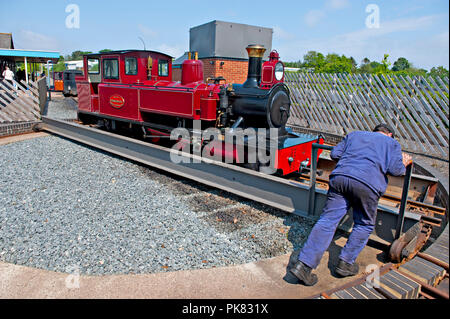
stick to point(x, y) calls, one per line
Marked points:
point(127, 51)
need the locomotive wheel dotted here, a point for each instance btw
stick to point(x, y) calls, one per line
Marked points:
point(108, 125)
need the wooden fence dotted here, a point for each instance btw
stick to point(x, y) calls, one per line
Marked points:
point(416, 107)
point(21, 102)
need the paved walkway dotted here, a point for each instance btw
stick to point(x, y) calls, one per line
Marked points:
point(262, 279)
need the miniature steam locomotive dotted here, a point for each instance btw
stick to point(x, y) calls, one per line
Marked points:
point(134, 88)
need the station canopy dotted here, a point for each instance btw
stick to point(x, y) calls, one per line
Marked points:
point(9, 56)
point(8, 52)
point(31, 55)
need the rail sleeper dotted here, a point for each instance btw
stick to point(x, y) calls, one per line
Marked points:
point(369, 293)
point(438, 253)
point(439, 249)
point(418, 271)
point(342, 294)
point(405, 283)
point(438, 271)
point(422, 272)
point(394, 288)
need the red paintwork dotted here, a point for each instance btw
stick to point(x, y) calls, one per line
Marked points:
point(191, 71)
point(299, 153)
point(218, 150)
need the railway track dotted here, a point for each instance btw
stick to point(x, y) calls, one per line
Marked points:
point(410, 278)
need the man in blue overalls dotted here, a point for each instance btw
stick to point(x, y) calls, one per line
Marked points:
point(360, 178)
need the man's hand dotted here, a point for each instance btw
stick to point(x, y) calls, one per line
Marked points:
point(407, 159)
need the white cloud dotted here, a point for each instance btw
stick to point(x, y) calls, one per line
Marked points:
point(27, 39)
point(424, 52)
point(174, 51)
point(282, 34)
point(147, 31)
point(313, 17)
point(337, 4)
point(399, 25)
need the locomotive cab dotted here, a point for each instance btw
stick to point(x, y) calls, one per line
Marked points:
point(102, 90)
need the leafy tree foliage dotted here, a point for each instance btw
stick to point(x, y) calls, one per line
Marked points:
point(440, 71)
point(401, 64)
point(317, 62)
point(78, 55)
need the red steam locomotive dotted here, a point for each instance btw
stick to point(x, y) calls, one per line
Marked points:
point(134, 88)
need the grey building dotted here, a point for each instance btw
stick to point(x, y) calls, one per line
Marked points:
point(227, 39)
point(6, 41)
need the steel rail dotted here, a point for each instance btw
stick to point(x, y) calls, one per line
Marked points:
point(286, 195)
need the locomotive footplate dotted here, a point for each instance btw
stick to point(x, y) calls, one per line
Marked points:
point(294, 151)
point(285, 153)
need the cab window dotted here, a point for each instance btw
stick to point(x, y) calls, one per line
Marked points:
point(163, 68)
point(111, 69)
point(93, 66)
point(131, 66)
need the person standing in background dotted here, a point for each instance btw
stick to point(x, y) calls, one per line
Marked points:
point(8, 75)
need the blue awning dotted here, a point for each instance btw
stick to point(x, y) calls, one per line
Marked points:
point(32, 56)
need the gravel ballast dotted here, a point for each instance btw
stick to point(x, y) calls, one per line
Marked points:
point(60, 107)
point(67, 207)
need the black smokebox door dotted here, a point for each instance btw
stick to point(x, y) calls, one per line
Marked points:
point(279, 109)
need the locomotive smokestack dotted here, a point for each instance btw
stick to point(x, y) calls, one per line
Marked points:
point(255, 55)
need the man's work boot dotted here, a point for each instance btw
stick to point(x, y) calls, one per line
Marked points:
point(303, 272)
point(345, 269)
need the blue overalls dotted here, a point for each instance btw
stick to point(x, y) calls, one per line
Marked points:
point(358, 181)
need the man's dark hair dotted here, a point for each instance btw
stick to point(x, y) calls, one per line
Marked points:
point(383, 127)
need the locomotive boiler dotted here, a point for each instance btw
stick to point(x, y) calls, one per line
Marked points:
point(262, 101)
point(134, 89)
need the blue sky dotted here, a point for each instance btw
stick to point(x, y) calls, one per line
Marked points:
point(415, 29)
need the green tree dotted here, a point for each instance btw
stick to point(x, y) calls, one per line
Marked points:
point(401, 64)
point(105, 51)
point(297, 64)
point(336, 64)
point(365, 61)
point(78, 55)
point(354, 64)
point(314, 60)
point(385, 64)
point(439, 71)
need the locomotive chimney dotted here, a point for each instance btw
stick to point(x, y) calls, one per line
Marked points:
point(255, 55)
